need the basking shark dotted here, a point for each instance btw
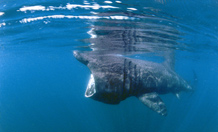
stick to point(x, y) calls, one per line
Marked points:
point(115, 78)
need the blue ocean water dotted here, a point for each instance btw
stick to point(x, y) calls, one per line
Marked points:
point(42, 85)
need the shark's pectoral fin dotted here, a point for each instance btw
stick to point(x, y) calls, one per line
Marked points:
point(154, 102)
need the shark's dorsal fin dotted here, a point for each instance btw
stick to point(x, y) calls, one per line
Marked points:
point(154, 102)
point(169, 59)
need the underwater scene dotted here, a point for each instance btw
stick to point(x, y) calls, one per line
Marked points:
point(108, 66)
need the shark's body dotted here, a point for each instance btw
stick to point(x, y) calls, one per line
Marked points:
point(115, 78)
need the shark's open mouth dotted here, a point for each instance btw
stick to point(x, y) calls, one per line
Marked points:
point(91, 87)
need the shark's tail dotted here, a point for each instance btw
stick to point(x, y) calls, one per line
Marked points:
point(195, 81)
point(193, 84)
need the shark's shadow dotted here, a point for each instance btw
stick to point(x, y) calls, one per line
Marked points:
point(115, 77)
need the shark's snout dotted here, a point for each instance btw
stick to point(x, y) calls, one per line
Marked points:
point(75, 53)
point(82, 57)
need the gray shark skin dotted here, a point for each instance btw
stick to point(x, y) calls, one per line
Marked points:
point(115, 78)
